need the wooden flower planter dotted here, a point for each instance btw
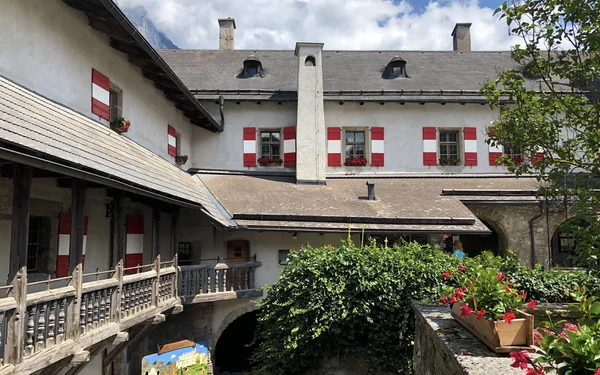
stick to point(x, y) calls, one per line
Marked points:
point(500, 336)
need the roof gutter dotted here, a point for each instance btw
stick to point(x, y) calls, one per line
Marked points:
point(114, 10)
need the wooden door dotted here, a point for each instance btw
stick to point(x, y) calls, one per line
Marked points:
point(238, 251)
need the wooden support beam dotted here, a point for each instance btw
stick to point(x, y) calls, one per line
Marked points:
point(158, 318)
point(20, 219)
point(177, 309)
point(174, 233)
point(78, 190)
point(56, 367)
point(133, 340)
point(80, 358)
point(121, 337)
point(156, 211)
point(119, 237)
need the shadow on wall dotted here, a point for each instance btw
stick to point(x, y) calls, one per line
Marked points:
point(234, 350)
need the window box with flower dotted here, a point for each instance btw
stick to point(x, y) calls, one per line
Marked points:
point(484, 302)
point(121, 125)
point(449, 161)
point(360, 162)
point(267, 162)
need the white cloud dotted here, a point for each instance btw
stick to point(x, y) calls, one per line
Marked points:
point(340, 24)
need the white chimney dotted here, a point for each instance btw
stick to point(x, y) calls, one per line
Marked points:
point(461, 37)
point(226, 33)
point(311, 154)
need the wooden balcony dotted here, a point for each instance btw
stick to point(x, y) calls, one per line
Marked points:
point(71, 318)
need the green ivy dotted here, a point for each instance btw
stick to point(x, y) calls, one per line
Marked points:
point(356, 301)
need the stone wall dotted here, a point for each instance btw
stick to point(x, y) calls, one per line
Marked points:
point(444, 347)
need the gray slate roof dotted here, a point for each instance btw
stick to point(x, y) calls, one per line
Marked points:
point(37, 124)
point(209, 70)
point(403, 204)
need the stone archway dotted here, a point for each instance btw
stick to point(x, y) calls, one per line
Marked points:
point(250, 306)
point(235, 346)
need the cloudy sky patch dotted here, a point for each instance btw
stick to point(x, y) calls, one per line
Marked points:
point(340, 24)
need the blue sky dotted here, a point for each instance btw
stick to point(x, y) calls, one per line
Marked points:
point(339, 24)
point(173, 355)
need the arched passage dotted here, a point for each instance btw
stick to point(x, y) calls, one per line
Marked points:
point(564, 245)
point(494, 242)
point(233, 349)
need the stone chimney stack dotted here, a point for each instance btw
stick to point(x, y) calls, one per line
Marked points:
point(311, 153)
point(226, 34)
point(461, 37)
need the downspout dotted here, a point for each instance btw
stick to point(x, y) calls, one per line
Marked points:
point(531, 233)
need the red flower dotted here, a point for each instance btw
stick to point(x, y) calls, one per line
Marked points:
point(508, 317)
point(480, 314)
point(444, 299)
point(597, 372)
point(521, 359)
point(532, 304)
point(446, 275)
point(462, 268)
point(465, 310)
point(459, 293)
point(534, 371)
point(507, 288)
point(452, 300)
point(499, 278)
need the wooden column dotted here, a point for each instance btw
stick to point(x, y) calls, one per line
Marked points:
point(20, 219)
point(78, 189)
point(174, 236)
point(119, 239)
point(156, 210)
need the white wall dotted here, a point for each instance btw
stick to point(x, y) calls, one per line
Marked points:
point(403, 126)
point(49, 47)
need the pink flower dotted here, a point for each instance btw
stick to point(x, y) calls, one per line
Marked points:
point(500, 276)
point(465, 310)
point(480, 314)
point(508, 317)
point(597, 372)
point(459, 293)
point(452, 300)
point(444, 299)
point(571, 327)
point(446, 275)
point(521, 359)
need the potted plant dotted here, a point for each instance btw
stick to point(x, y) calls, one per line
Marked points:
point(120, 125)
point(181, 159)
point(265, 162)
point(449, 161)
point(484, 302)
point(355, 162)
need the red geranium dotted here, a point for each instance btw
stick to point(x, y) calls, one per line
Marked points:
point(465, 310)
point(521, 359)
point(480, 314)
point(508, 317)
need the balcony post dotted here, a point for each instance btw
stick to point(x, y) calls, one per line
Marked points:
point(78, 190)
point(72, 322)
point(116, 301)
point(156, 282)
point(20, 219)
point(174, 236)
point(15, 323)
point(119, 236)
point(175, 286)
point(156, 211)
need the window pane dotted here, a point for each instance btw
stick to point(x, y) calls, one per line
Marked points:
point(350, 137)
point(452, 137)
point(442, 137)
point(275, 137)
point(349, 151)
point(265, 151)
point(453, 149)
point(265, 136)
point(359, 137)
point(275, 152)
point(443, 150)
point(360, 151)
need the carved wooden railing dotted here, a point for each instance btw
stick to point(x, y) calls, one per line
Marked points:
point(76, 308)
point(196, 281)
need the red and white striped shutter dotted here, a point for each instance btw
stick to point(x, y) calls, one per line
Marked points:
point(64, 239)
point(494, 152)
point(289, 146)
point(377, 147)
point(429, 146)
point(249, 147)
point(538, 156)
point(172, 140)
point(100, 95)
point(470, 140)
point(334, 147)
point(134, 251)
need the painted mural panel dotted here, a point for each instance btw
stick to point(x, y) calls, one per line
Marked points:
point(184, 357)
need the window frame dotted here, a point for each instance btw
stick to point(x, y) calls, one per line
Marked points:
point(115, 101)
point(270, 143)
point(367, 150)
point(279, 252)
point(458, 142)
point(516, 157)
point(41, 243)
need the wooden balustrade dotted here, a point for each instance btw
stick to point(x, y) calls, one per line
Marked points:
point(63, 310)
point(206, 279)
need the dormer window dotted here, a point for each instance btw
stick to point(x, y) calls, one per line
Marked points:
point(395, 68)
point(252, 68)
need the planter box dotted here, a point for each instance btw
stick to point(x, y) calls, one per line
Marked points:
point(500, 336)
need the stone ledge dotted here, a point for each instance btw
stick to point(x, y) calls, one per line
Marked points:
point(444, 347)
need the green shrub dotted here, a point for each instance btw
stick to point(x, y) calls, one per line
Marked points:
point(352, 301)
